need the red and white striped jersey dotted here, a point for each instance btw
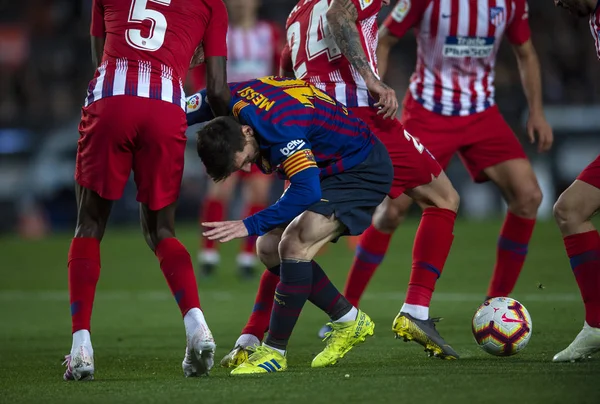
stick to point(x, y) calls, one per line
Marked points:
point(457, 43)
point(252, 53)
point(595, 27)
point(312, 54)
point(149, 45)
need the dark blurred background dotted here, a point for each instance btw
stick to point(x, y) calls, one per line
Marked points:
point(45, 66)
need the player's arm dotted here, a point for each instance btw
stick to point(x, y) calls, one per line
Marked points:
point(384, 47)
point(342, 17)
point(304, 191)
point(215, 55)
point(97, 32)
point(197, 109)
point(285, 66)
point(519, 35)
point(405, 15)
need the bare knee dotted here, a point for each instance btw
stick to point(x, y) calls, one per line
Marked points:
point(439, 193)
point(267, 250)
point(157, 225)
point(567, 213)
point(391, 213)
point(526, 200)
point(451, 200)
point(291, 247)
point(93, 212)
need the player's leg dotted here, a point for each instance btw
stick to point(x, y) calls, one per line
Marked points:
point(214, 210)
point(572, 212)
point(158, 169)
point(257, 187)
point(267, 248)
point(496, 154)
point(104, 136)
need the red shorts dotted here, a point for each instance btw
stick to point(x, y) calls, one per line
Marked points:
point(121, 133)
point(481, 140)
point(413, 164)
point(591, 174)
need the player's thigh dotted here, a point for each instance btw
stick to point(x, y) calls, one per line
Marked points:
point(307, 234)
point(159, 154)
point(438, 193)
point(391, 212)
point(105, 147)
point(488, 142)
point(257, 187)
point(93, 212)
point(517, 181)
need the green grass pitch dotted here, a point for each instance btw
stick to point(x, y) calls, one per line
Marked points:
point(139, 340)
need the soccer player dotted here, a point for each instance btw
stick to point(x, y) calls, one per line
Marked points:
point(572, 212)
point(134, 119)
point(331, 44)
point(254, 48)
point(339, 173)
point(450, 108)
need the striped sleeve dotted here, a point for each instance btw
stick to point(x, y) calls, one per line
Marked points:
point(237, 108)
point(298, 162)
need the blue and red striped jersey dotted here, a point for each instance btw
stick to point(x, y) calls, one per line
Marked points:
point(297, 125)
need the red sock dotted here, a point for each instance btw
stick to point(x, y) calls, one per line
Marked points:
point(84, 272)
point(430, 251)
point(510, 254)
point(258, 323)
point(583, 250)
point(249, 243)
point(177, 268)
point(368, 255)
point(213, 210)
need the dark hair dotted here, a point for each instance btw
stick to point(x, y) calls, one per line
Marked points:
point(218, 142)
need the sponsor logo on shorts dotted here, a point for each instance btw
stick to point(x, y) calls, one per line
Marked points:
point(468, 46)
point(401, 10)
point(292, 146)
point(193, 103)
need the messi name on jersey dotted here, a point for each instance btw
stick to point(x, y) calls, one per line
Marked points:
point(468, 46)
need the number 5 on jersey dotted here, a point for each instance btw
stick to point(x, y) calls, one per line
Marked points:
point(138, 13)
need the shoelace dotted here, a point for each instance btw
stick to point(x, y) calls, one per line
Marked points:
point(258, 353)
point(332, 336)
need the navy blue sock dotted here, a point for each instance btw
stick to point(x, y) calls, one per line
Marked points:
point(326, 296)
point(290, 295)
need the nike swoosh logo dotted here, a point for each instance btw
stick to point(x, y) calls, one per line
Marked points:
point(512, 320)
point(446, 15)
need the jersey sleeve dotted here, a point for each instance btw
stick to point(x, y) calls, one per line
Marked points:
point(405, 15)
point(518, 31)
point(97, 24)
point(197, 109)
point(215, 36)
point(367, 8)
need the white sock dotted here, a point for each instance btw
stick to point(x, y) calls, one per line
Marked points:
point(82, 337)
point(193, 320)
point(281, 351)
point(245, 259)
point(350, 316)
point(209, 256)
point(418, 312)
point(246, 340)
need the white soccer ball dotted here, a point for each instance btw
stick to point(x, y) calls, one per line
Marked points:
point(502, 326)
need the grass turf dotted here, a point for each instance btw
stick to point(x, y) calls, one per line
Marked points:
point(139, 340)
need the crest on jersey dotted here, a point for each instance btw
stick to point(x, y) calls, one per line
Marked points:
point(365, 3)
point(401, 10)
point(497, 16)
point(193, 103)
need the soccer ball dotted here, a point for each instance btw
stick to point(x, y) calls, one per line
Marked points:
point(502, 326)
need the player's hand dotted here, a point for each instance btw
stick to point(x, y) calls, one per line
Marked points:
point(537, 124)
point(225, 231)
point(388, 103)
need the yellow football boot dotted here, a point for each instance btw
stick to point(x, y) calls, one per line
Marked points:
point(342, 338)
point(262, 360)
point(423, 332)
point(237, 356)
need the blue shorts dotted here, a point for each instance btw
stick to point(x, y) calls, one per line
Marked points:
point(354, 194)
